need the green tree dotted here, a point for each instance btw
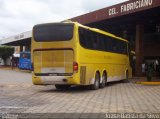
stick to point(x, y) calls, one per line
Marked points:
point(6, 52)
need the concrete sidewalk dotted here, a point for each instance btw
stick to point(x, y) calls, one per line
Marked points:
point(144, 81)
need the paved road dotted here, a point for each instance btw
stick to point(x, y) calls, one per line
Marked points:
point(17, 94)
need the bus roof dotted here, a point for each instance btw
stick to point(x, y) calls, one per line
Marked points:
point(94, 29)
point(97, 30)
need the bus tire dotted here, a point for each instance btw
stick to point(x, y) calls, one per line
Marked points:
point(96, 84)
point(58, 86)
point(104, 80)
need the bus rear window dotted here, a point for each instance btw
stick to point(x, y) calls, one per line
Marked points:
point(53, 32)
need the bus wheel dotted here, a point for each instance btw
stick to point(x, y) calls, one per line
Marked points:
point(104, 80)
point(96, 84)
point(62, 86)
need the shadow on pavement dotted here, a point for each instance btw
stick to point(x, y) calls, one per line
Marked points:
point(79, 89)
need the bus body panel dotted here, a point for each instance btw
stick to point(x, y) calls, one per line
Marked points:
point(62, 51)
point(100, 61)
point(50, 62)
point(89, 62)
point(49, 80)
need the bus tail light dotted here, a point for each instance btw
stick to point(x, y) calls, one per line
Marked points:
point(75, 67)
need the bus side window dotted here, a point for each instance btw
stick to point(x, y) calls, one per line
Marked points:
point(85, 38)
point(107, 43)
point(110, 44)
point(89, 39)
point(128, 49)
point(101, 42)
point(114, 46)
point(95, 41)
point(122, 47)
point(82, 37)
point(125, 48)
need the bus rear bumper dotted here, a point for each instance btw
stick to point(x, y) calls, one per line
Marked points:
point(50, 80)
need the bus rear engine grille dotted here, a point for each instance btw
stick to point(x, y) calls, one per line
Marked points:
point(83, 74)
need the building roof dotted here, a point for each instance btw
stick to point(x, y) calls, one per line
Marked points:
point(121, 9)
point(15, 40)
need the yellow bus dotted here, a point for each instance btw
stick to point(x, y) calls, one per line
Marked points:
point(68, 53)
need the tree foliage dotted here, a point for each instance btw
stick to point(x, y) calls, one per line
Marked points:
point(6, 52)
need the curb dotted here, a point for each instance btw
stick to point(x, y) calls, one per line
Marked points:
point(6, 68)
point(16, 69)
point(148, 83)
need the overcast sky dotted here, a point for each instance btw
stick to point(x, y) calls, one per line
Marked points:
point(17, 16)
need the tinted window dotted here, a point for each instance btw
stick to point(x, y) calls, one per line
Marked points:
point(96, 41)
point(53, 32)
